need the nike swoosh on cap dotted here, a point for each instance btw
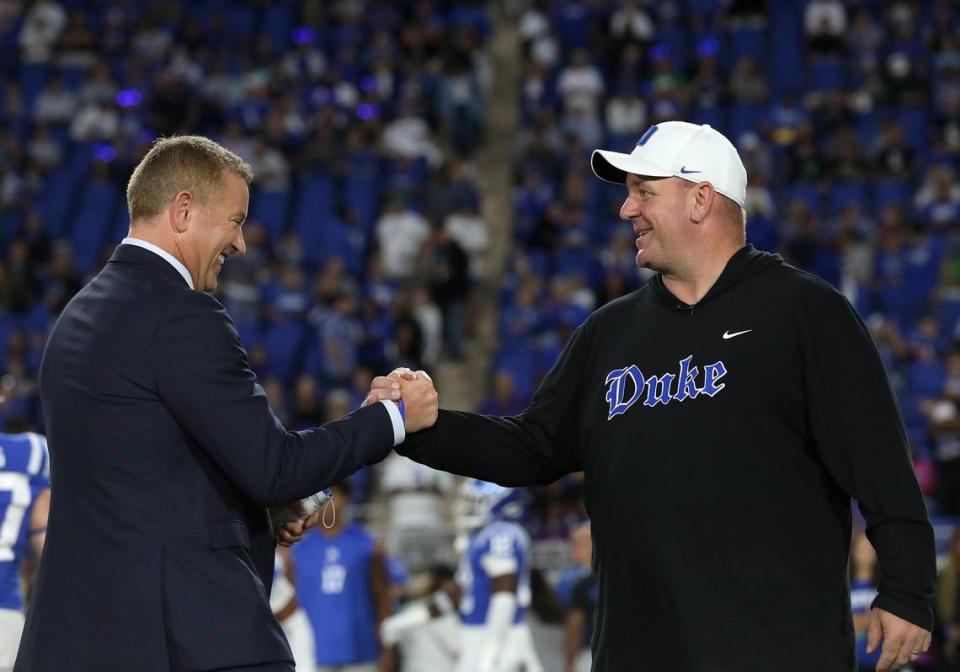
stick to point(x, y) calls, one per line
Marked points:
point(684, 171)
point(727, 335)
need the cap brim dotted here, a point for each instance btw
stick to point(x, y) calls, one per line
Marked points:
point(614, 166)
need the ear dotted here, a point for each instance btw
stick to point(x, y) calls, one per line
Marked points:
point(703, 196)
point(179, 211)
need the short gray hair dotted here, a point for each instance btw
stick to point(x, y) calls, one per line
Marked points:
point(180, 163)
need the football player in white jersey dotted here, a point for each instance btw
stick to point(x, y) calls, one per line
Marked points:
point(293, 619)
point(427, 630)
point(24, 503)
point(493, 580)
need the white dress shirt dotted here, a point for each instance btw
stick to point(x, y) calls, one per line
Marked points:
point(166, 256)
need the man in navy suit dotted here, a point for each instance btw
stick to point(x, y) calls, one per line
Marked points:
point(165, 454)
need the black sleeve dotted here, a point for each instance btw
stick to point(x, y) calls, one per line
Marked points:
point(534, 448)
point(206, 383)
point(859, 435)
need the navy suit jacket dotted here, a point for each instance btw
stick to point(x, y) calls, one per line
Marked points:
point(164, 458)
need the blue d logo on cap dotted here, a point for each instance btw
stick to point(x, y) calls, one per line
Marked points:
point(646, 136)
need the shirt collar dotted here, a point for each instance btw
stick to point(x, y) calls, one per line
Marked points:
point(170, 259)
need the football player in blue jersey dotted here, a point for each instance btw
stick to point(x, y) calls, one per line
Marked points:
point(494, 577)
point(342, 583)
point(24, 502)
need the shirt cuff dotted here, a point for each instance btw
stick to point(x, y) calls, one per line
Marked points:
point(399, 433)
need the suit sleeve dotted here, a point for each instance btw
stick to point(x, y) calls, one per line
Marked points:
point(534, 448)
point(859, 435)
point(206, 383)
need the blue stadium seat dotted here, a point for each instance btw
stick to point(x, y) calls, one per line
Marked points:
point(283, 343)
point(867, 126)
point(744, 118)
point(844, 193)
point(56, 201)
point(714, 116)
point(277, 22)
point(313, 233)
point(361, 194)
point(762, 233)
point(892, 192)
point(808, 193)
point(240, 22)
point(316, 198)
point(522, 360)
point(92, 224)
point(10, 223)
point(271, 208)
point(826, 74)
point(916, 126)
point(926, 379)
point(786, 66)
point(33, 77)
point(120, 227)
point(948, 313)
point(73, 76)
point(674, 37)
point(742, 42)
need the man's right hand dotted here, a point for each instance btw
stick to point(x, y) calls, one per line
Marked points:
point(420, 398)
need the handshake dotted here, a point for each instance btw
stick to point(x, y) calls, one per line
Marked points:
point(420, 407)
point(412, 388)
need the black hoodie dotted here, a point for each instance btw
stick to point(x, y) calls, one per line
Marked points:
point(721, 445)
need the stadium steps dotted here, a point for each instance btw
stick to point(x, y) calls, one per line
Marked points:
point(464, 384)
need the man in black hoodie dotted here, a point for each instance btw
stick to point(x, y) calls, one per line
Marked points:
point(724, 416)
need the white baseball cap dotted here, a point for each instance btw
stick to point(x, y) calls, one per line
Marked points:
point(679, 149)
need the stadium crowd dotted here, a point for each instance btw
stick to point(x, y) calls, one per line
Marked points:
point(366, 235)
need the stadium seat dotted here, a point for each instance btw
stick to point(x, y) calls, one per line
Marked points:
point(808, 193)
point(10, 223)
point(271, 208)
point(787, 73)
point(315, 199)
point(744, 118)
point(59, 187)
point(277, 22)
point(283, 342)
point(916, 126)
point(92, 224)
point(762, 233)
point(714, 116)
point(826, 74)
point(845, 193)
point(742, 42)
point(891, 192)
point(33, 77)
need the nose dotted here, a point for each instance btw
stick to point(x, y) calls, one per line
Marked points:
point(238, 243)
point(630, 208)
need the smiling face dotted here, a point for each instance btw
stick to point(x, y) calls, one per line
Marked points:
point(657, 209)
point(215, 231)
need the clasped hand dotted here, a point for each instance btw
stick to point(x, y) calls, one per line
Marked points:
point(420, 398)
point(420, 402)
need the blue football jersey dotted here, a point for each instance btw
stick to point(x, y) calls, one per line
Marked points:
point(333, 585)
point(24, 473)
point(500, 543)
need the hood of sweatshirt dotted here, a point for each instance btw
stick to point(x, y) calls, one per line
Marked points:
point(745, 262)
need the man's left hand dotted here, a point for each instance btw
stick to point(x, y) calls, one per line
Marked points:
point(292, 531)
point(903, 642)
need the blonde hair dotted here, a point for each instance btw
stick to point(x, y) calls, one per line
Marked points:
point(180, 163)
